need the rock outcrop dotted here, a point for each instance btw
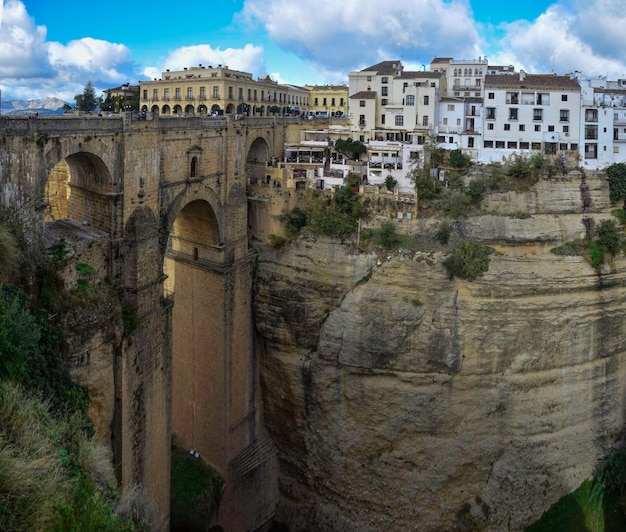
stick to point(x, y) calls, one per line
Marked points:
point(402, 400)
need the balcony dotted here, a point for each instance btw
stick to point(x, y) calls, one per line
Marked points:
point(467, 88)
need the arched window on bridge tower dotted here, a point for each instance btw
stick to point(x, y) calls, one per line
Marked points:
point(193, 155)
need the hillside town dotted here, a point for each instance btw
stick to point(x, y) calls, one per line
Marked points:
point(489, 112)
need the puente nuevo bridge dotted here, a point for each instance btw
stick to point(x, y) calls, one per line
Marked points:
point(168, 199)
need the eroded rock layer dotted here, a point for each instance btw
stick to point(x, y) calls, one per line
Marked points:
point(402, 400)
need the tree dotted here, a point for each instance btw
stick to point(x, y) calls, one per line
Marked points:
point(390, 182)
point(87, 101)
point(616, 173)
point(350, 148)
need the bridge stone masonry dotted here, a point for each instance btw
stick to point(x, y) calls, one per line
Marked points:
point(170, 196)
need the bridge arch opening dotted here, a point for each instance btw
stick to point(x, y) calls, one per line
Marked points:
point(80, 188)
point(195, 285)
point(256, 161)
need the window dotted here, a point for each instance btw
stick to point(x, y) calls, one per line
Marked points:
point(512, 98)
point(563, 97)
point(425, 120)
point(155, 94)
point(432, 84)
point(470, 142)
point(524, 146)
point(340, 102)
point(565, 129)
point(177, 93)
point(384, 79)
point(240, 93)
point(324, 104)
point(488, 144)
point(203, 93)
point(361, 103)
point(369, 78)
point(563, 146)
point(522, 127)
point(550, 128)
point(490, 126)
point(216, 92)
point(450, 107)
point(194, 167)
point(537, 127)
point(361, 120)
point(315, 102)
point(591, 151)
point(189, 93)
point(145, 94)
point(332, 102)
point(513, 113)
point(383, 101)
point(384, 91)
point(250, 94)
point(382, 119)
point(256, 99)
point(450, 140)
point(458, 121)
point(491, 113)
point(499, 144)
point(491, 95)
point(166, 94)
point(410, 100)
point(445, 121)
point(507, 127)
point(426, 100)
point(537, 114)
point(591, 132)
point(399, 120)
point(511, 145)
point(591, 115)
point(564, 115)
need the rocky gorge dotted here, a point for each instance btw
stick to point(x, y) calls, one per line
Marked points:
point(401, 399)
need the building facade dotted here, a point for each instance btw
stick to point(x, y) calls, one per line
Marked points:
point(329, 99)
point(219, 90)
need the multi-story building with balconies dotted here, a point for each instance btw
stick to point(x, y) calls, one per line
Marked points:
point(388, 103)
point(219, 90)
point(530, 112)
point(603, 122)
point(465, 78)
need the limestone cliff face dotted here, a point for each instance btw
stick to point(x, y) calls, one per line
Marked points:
point(402, 400)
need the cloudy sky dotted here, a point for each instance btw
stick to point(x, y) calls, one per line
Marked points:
point(53, 47)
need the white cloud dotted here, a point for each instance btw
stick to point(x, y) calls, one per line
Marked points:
point(247, 59)
point(563, 40)
point(356, 33)
point(31, 67)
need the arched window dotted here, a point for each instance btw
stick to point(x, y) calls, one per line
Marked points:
point(194, 167)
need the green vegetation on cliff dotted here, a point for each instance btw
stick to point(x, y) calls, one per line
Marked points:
point(53, 475)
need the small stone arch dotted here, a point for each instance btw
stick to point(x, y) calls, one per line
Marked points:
point(177, 109)
point(215, 109)
point(144, 109)
point(256, 160)
point(194, 157)
point(230, 109)
point(202, 110)
point(166, 110)
point(80, 188)
point(189, 110)
point(155, 110)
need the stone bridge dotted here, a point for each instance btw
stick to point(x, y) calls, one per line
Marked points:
point(169, 196)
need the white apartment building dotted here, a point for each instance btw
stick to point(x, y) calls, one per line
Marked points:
point(603, 122)
point(530, 112)
point(465, 78)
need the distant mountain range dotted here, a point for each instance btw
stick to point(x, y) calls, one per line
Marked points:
point(47, 106)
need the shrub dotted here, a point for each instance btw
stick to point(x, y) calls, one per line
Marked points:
point(469, 260)
point(294, 220)
point(387, 236)
point(455, 204)
point(277, 242)
point(339, 217)
point(444, 232)
point(458, 159)
point(390, 182)
point(610, 237)
point(475, 190)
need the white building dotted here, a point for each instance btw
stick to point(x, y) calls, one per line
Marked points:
point(530, 113)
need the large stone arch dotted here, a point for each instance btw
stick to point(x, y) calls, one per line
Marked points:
point(194, 283)
point(80, 188)
point(256, 160)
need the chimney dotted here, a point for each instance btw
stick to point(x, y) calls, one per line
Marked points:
point(522, 75)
